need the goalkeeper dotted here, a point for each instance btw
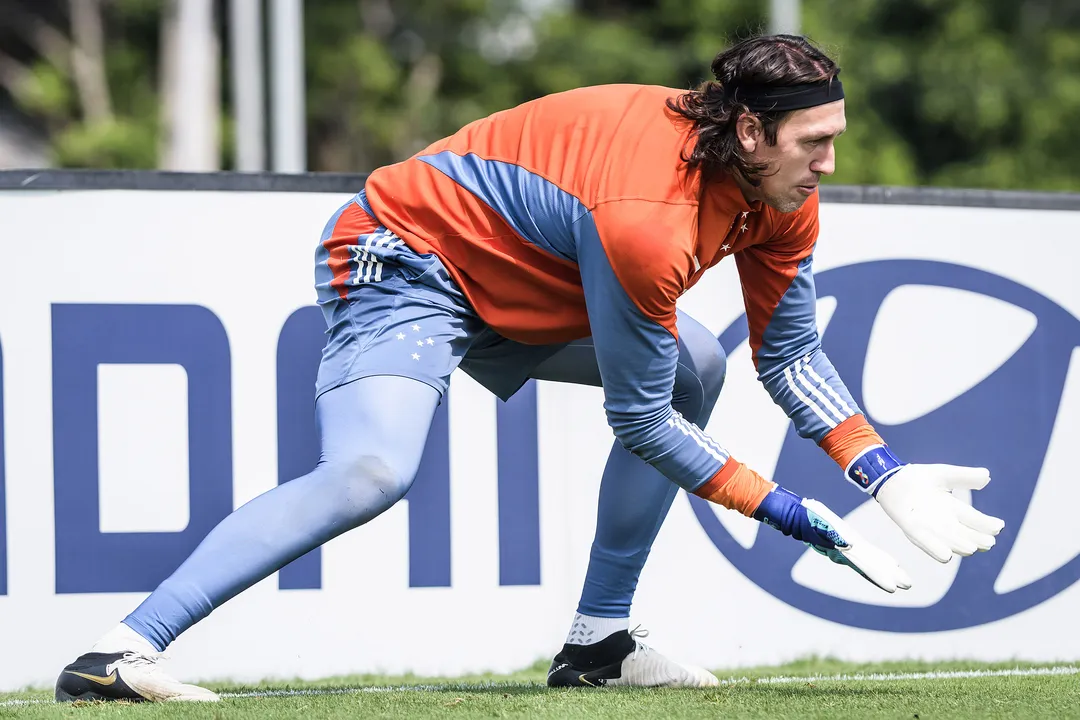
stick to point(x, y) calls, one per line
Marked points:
point(552, 241)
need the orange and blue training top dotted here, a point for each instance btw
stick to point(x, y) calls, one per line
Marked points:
point(575, 215)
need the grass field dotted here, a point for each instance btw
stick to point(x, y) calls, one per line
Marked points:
point(807, 689)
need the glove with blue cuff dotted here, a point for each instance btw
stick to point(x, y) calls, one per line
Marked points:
point(920, 500)
point(820, 528)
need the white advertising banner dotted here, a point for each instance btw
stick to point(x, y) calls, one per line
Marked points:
point(158, 349)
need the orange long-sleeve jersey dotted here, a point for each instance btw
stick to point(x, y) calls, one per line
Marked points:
point(575, 215)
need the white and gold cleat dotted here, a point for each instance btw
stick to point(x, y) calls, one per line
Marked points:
point(623, 660)
point(130, 676)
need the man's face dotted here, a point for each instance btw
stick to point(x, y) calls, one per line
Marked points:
point(804, 151)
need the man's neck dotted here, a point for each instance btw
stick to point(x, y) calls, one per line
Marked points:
point(751, 193)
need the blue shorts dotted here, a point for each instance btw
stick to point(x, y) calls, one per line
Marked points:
point(403, 315)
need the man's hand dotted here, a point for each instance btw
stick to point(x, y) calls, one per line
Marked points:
point(844, 546)
point(919, 499)
point(824, 531)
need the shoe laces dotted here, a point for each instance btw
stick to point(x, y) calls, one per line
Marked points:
point(637, 633)
point(136, 659)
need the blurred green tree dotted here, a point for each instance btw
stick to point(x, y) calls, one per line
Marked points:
point(975, 93)
point(87, 76)
point(386, 78)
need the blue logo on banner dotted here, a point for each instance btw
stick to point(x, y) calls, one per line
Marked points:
point(1003, 423)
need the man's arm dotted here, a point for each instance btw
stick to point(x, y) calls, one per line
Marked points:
point(778, 290)
point(780, 298)
point(631, 283)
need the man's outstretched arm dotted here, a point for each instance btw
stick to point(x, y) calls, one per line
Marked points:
point(780, 298)
point(631, 309)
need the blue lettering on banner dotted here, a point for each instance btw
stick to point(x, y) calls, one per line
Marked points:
point(299, 349)
point(429, 508)
point(85, 336)
point(3, 504)
point(519, 489)
point(91, 561)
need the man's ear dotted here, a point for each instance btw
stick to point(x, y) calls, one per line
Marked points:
point(748, 131)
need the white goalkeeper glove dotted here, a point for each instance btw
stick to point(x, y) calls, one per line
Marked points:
point(853, 550)
point(824, 531)
point(919, 499)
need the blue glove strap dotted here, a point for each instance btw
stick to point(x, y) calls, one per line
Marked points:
point(871, 469)
point(783, 510)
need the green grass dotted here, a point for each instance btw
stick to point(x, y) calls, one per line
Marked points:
point(522, 694)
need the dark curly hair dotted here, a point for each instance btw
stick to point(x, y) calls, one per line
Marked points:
point(713, 111)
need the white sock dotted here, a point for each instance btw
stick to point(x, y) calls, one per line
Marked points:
point(587, 629)
point(123, 639)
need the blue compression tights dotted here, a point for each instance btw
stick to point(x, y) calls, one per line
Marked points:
point(634, 497)
point(373, 433)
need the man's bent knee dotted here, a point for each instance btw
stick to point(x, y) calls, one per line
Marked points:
point(701, 374)
point(713, 371)
point(373, 472)
point(366, 486)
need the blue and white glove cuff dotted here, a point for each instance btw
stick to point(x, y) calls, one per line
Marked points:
point(871, 469)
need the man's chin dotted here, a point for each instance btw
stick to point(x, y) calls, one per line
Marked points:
point(787, 203)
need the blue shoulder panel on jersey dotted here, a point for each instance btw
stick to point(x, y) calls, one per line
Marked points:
point(537, 209)
point(638, 359)
point(362, 201)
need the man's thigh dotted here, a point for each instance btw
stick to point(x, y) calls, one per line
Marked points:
point(698, 377)
point(502, 365)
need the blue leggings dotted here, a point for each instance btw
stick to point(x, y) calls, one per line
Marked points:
point(372, 434)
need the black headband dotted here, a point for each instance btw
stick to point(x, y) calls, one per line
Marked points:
point(781, 98)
